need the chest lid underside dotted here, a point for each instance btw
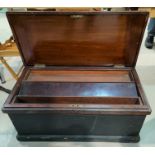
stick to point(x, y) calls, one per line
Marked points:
point(78, 38)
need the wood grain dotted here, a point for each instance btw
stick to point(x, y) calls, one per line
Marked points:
point(79, 76)
point(77, 89)
point(80, 93)
point(78, 39)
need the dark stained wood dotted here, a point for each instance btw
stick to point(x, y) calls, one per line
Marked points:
point(134, 34)
point(16, 88)
point(78, 39)
point(88, 89)
point(79, 76)
point(75, 103)
point(140, 90)
point(140, 109)
point(77, 89)
point(74, 127)
point(78, 101)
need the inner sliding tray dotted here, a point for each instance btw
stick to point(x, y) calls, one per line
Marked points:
point(78, 89)
point(80, 75)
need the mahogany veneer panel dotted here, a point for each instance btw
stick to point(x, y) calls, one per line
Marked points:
point(77, 89)
point(79, 76)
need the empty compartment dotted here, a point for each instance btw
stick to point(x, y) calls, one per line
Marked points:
point(80, 89)
point(77, 100)
point(80, 76)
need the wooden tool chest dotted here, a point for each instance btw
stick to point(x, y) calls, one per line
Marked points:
point(79, 82)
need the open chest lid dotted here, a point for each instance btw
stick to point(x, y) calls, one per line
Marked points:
point(78, 38)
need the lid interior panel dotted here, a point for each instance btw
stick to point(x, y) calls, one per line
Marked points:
point(78, 39)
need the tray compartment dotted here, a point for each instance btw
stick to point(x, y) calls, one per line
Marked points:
point(88, 89)
point(80, 76)
point(77, 100)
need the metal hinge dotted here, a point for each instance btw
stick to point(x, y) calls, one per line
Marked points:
point(119, 66)
point(39, 65)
